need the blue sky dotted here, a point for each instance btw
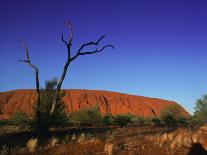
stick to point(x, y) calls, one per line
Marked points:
point(161, 46)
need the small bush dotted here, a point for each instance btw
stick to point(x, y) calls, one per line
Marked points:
point(156, 121)
point(108, 119)
point(169, 120)
point(194, 121)
point(4, 122)
point(170, 116)
point(19, 119)
point(86, 117)
point(122, 120)
point(200, 114)
point(47, 96)
point(138, 120)
point(182, 121)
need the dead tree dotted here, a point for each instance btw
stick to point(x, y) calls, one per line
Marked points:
point(70, 59)
point(28, 62)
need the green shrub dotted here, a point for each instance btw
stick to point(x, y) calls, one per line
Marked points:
point(194, 121)
point(19, 119)
point(156, 121)
point(4, 122)
point(169, 119)
point(200, 114)
point(122, 120)
point(173, 110)
point(108, 119)
point(59, 117)
point(182, 121)
point(138, 120)
point(86, 117)
point(170, 116)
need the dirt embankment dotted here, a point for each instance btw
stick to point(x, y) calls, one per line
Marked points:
point(116, 103)
point(129, 140)
point(137, 141)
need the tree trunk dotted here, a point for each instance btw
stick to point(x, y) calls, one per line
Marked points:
point(38, 102)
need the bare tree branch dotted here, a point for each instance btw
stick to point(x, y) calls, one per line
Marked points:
point(96, 51)
point(69, 59)
point(28, 62)
point(23, 61)
point(68, 44)
point(59, 84)
point(90, 44)
point(23, 44)
point(63, 40)
point(70, 28)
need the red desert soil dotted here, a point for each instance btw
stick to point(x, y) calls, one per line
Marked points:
point(116, 103)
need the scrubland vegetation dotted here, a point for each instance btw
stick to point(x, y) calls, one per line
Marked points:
point(91, 117)
point(120, 126)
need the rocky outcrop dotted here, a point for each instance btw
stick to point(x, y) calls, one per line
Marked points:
point(116, 103)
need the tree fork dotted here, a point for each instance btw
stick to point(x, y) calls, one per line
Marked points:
point(79, 52)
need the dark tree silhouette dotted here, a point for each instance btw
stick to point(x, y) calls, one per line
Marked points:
point(28, 62)
point(80, 51)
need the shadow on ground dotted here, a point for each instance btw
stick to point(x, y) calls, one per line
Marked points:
point(197, 149)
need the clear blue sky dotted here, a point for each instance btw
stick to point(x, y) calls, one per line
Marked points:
point(161, 46)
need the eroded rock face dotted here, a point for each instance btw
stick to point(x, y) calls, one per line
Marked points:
point(116, 103)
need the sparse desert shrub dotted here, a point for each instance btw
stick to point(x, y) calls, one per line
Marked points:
point(58, 118)
point(200, 114)
point(156, 121)
point(138, 120)
point(108, 119)
point(170, 116)
point(86, 117)
point(19, 119)
point(194, 121)
point(4, 122)
point(173, 110)
point(169, 119)
point(182, 121)
point(122, 119)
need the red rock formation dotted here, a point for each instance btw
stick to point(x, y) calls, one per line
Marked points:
point(116, 103)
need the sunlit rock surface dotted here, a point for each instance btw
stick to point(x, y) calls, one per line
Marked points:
point(116, 103)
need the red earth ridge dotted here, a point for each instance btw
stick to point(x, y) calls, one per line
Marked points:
point(116, 103)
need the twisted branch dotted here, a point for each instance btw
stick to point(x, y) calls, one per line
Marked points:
point(79, 52)
point(27, 60)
